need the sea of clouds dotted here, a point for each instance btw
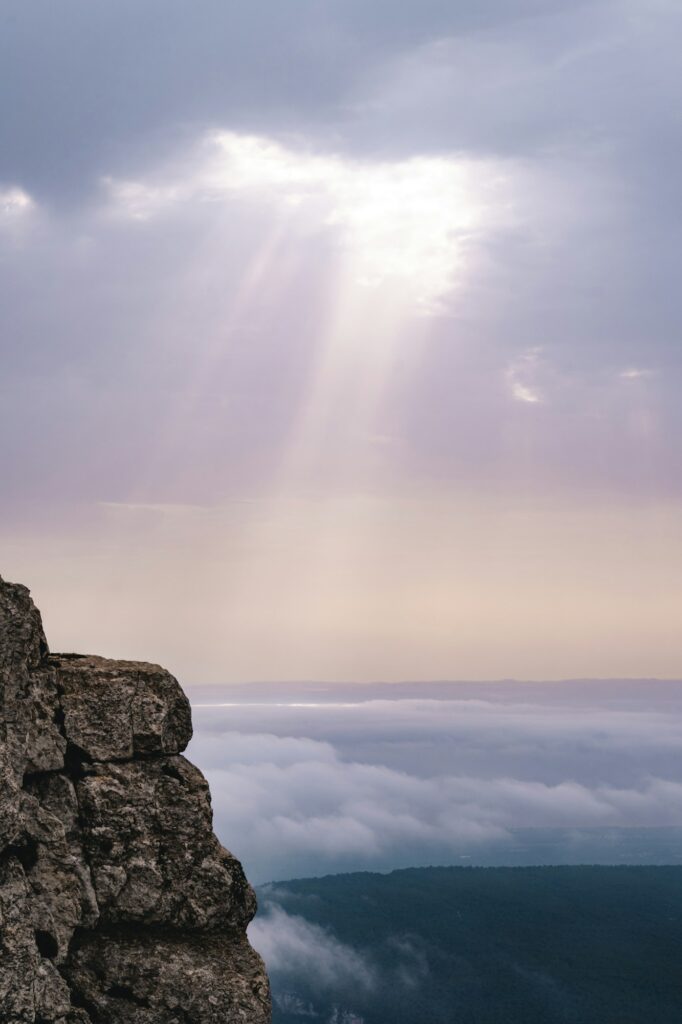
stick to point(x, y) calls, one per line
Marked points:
point(310, 780)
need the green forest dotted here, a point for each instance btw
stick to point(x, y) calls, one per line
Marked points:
point(469, 945)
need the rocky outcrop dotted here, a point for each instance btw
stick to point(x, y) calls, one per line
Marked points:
point(118, 905)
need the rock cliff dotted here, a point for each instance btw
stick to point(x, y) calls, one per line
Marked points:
point(118, 905)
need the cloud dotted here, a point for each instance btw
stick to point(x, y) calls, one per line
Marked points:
point(518, 375)
point(523, 393)
point(411, 222)
point(14, 202)
point(239, 219)
point(510, 734)
point(461, 776)
point(254, 65)
point(636, 373)
point(308, 965)
point(293, 947)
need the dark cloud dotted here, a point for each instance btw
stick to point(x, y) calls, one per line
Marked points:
point(91, 87)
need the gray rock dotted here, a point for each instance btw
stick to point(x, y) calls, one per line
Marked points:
point(149, 842)
point(29, 701)
point(20, 960)
point(117, 901)
point(130, 978)
point(114, 710)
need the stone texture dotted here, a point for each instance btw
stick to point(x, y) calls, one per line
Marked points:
point(129, 978)
point(151, 850)
point(114, 710)
point(29, 700)
point(117, 901)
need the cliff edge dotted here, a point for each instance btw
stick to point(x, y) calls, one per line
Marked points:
point(118, 905)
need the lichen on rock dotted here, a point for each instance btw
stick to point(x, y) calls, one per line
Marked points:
point(118, 905)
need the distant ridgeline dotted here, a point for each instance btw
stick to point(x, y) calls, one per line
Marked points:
point(564, 945)
point(118, 905)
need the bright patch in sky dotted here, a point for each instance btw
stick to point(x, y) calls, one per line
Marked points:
point(519, 375)
point(411, 223)
point(635, 373)
point(14, 201)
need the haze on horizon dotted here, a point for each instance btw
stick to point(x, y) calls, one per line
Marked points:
point(341, 340)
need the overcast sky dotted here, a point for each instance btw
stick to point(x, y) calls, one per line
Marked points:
point(341, 337)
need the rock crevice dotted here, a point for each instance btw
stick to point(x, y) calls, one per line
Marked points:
point(118, 904)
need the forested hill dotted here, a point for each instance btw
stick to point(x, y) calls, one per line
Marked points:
point(580, 945)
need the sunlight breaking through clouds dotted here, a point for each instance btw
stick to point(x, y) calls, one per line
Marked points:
point(410, 223)
point(14, 202)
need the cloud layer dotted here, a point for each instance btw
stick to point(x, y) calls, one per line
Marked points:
point(385, 784)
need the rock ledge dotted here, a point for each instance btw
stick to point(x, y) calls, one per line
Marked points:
point(118, 905)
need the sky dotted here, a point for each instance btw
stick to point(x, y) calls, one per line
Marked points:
point(340, 339)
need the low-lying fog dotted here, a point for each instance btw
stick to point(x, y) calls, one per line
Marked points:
point(316, 779)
